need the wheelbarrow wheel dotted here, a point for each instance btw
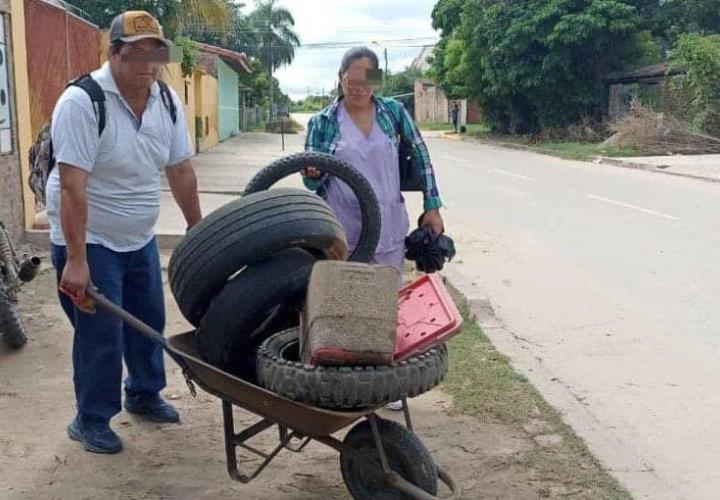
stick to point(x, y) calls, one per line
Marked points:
point(11, 325)
point(363, 190)
point(407, 456)
point(245, 231)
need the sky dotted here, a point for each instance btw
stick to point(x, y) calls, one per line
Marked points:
point(401, 26)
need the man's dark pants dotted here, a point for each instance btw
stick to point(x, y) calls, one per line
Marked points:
point(132, 280)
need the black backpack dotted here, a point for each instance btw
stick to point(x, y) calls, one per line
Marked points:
point(42, 157)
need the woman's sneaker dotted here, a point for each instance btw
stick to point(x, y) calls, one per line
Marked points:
point(395, 406)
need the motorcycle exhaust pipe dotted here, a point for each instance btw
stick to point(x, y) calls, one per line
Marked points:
point(28, 269)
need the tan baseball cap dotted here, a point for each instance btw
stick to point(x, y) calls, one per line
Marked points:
point(136, 25)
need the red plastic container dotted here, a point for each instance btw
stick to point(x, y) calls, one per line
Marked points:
point(427, 316)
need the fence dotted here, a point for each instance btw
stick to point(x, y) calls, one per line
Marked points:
point(60, 47)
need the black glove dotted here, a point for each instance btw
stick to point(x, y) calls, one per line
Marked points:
point(429, 250)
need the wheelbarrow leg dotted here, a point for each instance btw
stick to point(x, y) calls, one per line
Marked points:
point(230, 455)
point(232, 441)
point(406, 414)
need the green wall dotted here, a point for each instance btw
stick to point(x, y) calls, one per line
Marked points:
point(228, 101)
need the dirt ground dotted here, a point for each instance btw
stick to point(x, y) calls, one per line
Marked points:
point(38, 461)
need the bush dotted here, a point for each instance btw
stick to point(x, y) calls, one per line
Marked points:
point(289, 127)
point(652, 133)
point(701, 85)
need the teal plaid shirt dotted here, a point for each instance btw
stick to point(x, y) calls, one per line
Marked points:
point(323, 135)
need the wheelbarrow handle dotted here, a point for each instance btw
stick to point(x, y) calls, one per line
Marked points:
point(130, 320)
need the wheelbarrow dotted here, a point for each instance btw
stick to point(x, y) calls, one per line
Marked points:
point(378, 458)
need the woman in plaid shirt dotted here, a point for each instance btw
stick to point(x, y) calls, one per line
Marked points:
point(363, 130)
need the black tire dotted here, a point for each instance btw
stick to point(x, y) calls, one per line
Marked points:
point(344, 387)
point(406, 454)
point(11, 324)
point(237, 321)
point(369, 208)
point(244, 231)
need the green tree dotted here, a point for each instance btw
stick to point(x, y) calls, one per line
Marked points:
point(701, 57)
point(174, 15)
point(677, 17)
point(277, 41)
point(402, 82)
point(238, 33)
point(102, 12)
point(533, 64)
point(311, 104)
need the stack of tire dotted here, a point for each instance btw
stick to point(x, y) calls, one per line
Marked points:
point(241, 275)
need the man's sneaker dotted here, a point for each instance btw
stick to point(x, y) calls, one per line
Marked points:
point(96, 438)
point(395, 406)
point(152, 408)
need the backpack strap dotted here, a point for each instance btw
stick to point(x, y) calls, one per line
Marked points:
point(168, 100)
point(97, 97)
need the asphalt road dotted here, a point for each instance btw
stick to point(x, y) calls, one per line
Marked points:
point(608, 276)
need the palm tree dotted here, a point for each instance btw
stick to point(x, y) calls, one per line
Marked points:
point(215, 15)
point(276, 39)
point(175, 16)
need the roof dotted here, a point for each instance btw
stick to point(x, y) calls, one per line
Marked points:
point(208, 54)
point(654, 72)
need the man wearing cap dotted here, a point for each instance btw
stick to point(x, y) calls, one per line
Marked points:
point(103, 203)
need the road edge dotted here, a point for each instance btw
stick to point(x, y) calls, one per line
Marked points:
point(598, 160)
point(619, 459)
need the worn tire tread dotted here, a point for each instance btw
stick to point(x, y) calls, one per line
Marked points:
point(369, 207)
point(344, 387)
point(11, 324)
point(245, 231)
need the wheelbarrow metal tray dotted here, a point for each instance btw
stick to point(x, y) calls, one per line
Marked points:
point(308, 420)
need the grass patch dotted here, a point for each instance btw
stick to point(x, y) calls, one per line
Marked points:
point(482, 381)
point(441, 127)
point(582, 151)
point(471, 128)
point(476, 129)
point(570, 150)
point(483, 384)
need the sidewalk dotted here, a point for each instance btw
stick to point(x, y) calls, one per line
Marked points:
point(224, 171)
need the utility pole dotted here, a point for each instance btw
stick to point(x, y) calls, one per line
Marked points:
point(270, 84)
point(385, 76)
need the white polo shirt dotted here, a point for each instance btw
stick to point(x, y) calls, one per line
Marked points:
point(124, 164)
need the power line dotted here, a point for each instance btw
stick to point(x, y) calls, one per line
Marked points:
point(207, 29)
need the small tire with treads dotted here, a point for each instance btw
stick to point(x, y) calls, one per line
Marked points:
point(11, 324)
point(406, 455)
point(344, 387)
point(263, 299)
point(327, 164)
point(248, 230)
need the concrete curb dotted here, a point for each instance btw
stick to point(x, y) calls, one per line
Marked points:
point(652, 168)
point(617, 457)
